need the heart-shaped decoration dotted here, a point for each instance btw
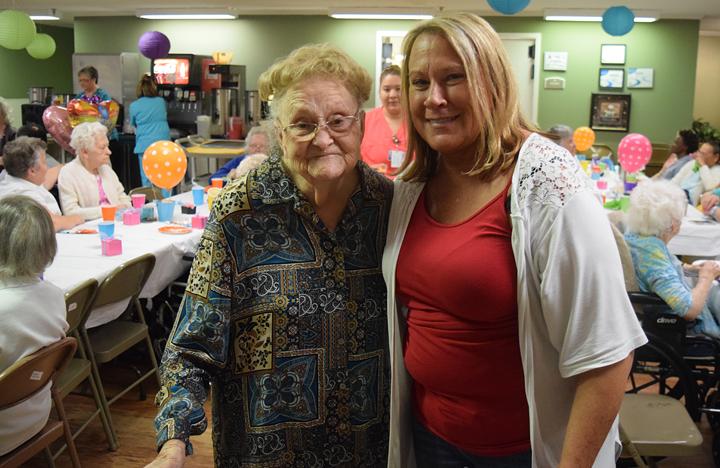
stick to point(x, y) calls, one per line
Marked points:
point(106, 112)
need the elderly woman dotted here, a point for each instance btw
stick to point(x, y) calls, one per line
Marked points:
point(702, 175)
point(32, 311)
point(385, 139)
point(257, 142)
point(284, 312)
point(655, 215)
point(88, 181)
point(501, 339)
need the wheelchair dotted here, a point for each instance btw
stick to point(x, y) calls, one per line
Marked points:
point(679, 363)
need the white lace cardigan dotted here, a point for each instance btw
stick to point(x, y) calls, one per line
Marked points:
point(574, 314)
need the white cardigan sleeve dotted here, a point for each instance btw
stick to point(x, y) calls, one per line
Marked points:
point(588, 315)
point(76, 197)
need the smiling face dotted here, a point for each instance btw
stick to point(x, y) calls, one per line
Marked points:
point(390, 94)
point(439, 97)
point(328, 156)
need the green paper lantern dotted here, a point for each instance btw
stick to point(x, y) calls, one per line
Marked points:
point(17, 30)
point(42, 47)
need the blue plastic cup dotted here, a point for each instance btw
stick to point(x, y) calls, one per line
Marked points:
point(165, 210)
point(106, 229)
point(198, 194)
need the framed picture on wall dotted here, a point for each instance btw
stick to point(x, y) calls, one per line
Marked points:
point(612, 54)
point(611, 78)
point(641, 77)
point(610, 112)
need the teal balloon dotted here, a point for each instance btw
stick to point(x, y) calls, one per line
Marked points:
point(618, 20)
point(17, 30)
point(508, 7)
point(42, 47)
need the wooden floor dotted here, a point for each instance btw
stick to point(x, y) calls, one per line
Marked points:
point(134, 425)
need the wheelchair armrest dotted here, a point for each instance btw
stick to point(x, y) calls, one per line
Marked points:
point(643, 298)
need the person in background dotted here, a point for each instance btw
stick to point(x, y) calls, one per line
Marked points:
point(32, 311)
point(564, 135)
point(654, 218)
point(249, 163)
point(26, 166)
point(701, 175)
point(681, 152)
point(7, 133)
point(385, 140)
point(284, 313)
point(88, 79)
point(88, 181)
point(502, 339)
point(257, 141)
point(34, 130)
point(148, 114)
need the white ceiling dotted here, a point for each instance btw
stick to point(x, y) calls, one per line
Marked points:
point(684, 9)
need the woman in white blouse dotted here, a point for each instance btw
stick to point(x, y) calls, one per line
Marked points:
point(88, 181)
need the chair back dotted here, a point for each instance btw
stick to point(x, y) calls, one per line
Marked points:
point(126, 281)
point(30, 374)
point(151, 193)
point(625, 259)
point(77, 304)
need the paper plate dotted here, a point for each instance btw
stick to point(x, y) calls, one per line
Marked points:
point(174, 230)
point(85, 231)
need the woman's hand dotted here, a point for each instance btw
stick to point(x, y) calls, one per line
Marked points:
point(708, 201)
point(709, 270)
point(172, 455)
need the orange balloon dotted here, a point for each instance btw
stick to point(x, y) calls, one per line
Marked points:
point(584, 138)
point(165, 163)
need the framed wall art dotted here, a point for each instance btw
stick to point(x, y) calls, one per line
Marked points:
point(610, 112)
point(611, 78)
point(641, 77)
point(612, 54)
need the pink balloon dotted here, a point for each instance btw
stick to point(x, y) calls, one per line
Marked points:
point(634, 152)
point(57, 123)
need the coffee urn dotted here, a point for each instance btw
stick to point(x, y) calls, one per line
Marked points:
point(228, 102)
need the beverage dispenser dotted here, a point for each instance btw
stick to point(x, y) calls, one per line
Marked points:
point(180, 79)
point(227, 103)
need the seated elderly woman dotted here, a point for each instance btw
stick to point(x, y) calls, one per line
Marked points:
point(284, 311)
point(88, 181)
point(702, 175)
point(26, 167)
point(259, 140)
point(32, 311)
point(655, 214)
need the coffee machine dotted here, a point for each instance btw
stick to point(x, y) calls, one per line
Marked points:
point(227, 101)
point(181, 81)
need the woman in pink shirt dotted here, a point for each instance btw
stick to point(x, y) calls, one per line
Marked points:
point(385, 140)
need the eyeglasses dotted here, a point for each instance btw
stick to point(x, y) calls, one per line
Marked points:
point(306, 131)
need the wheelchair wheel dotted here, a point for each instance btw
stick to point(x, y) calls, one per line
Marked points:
point(657, 367)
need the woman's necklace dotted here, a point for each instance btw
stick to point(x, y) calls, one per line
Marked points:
point(396, 140)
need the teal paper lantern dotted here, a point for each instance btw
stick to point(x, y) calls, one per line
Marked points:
point(508, 7)
point(618, 20)
point(42, 47)
point(17, 30)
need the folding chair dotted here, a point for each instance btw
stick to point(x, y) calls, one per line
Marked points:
point(151, 193)
point(26, 378)
point(106, 342)
point(80, 369)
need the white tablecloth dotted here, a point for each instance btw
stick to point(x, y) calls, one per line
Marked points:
point(79, 258)
point(698, 239)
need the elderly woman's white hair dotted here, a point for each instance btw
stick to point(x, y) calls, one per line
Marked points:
point(84, 135)
point(654, 206)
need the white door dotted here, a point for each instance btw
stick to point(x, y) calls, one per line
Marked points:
point(522, 50)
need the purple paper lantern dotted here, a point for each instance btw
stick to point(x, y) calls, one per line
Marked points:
point(154, 44)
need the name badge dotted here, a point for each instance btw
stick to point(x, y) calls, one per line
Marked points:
point(396, 158)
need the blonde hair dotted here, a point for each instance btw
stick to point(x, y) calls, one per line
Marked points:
point(493, 97)
point(27, 236)
point(312, 61)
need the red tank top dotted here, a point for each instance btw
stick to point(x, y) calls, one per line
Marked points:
point(462, 350)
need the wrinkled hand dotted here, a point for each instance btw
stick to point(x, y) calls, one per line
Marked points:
point(708, 200)
point(172, 455)
point(669, 161)
point(709, 270)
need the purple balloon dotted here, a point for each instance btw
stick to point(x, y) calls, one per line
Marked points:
point(154, 44)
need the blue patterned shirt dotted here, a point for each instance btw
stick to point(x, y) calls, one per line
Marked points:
point(288, 322)
point(659, 272)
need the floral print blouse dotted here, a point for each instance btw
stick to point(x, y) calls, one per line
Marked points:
point(287, 321)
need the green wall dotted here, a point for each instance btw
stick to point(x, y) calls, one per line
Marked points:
point(670, 47)
point(20, 71)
